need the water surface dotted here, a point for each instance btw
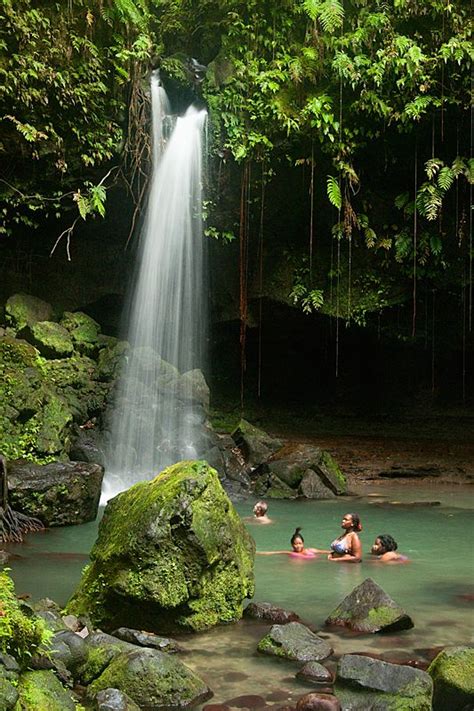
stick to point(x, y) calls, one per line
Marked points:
point(435, 588)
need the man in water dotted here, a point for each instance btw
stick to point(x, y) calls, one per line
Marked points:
point(260, 512)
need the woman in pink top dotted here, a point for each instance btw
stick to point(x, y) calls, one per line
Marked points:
point(298, 549)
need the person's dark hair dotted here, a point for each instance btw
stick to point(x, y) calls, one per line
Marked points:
point(296, 535)
point(356, 524)
point(388, 543)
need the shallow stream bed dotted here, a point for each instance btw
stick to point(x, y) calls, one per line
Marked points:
point(436, 587)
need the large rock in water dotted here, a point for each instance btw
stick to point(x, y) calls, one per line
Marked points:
point(365, 683)
point(59, 494)
point(294, 641)
point(171, 553)
point(368, 608)
point(452, 672)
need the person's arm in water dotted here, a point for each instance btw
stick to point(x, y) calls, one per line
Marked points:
point(273, 552)
point(355, 554)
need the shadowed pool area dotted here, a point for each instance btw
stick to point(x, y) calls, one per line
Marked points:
point(435, 588)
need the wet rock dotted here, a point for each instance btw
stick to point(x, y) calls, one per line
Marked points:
point(272, 613)
point(72, 623)
point(248, 701)
point(153, 680)
point(42, 690)
point(59, 494)
point(4, 557)
point(114, 700)
point(318, 702)
point(102, 648)
point(146, 639)
point(50, 338)
point(294, 641)
point(192, 386)
point(23, 309)
point(8, 688)
point(311, 487)
point(70, 649)
point(269, 485)
point(256, 445)
point(87, 446)
point(290, 465)
point(172, 553)
point(364, 683)
point(315, 673)
point(452, 672)
point(368, 608)
point(83, 331)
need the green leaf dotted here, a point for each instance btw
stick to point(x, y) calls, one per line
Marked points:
point(334, 192)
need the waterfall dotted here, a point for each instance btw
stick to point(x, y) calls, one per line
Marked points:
point(157, 411)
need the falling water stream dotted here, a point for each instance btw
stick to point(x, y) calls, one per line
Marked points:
point(156, 418)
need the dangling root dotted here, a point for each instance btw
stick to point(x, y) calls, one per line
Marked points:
point(14, 525)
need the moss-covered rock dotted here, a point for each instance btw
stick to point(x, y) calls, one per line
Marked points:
point(171, 553)
point(25, 310)
point(111, 359)
point(50, 338)
point(256, 444)
point(153, 679)
point(40, 690)
point(59, 493)
point(452, 672)
point(84, 331)
point(8, 691)
point(22, 633)
point(365, 683)
point(368, 608)
point(294, 641)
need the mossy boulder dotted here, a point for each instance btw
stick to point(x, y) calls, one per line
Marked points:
point(368, 608)
point(172, 553)
point(83, 330)
point(111, 359)
point(50, 338)
point(59, 493)
point(294, 641)
point(153, 680)
point(25, 310)
point(292, 464)
point(22, 633)
point(452, 672)
point(40, 690)
point(365, 683)
point(255, 444)
point(8, 690)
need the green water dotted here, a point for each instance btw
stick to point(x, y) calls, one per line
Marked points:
point(434, 587)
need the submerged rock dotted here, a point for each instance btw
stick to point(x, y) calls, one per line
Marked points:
point(294, 641)
point(171, 553)
point(317, 701)
point(153, 680)
point(59, 494)
point(364, 683)
point(452, 672)
point(272, 613)
point(368, 608)
point(315, 673)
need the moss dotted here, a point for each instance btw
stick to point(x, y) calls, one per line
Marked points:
point(22, 633)
point(175, 544)
point(382, 616)
point(51, 339)
point(334, 469)
point(452, 672)
point(40, 690)
point(97, 660)
point(23, 310)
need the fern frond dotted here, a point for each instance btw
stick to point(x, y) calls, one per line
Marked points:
point(432, 166)
point(334, 192)
point(330, 13)
point(445, 178)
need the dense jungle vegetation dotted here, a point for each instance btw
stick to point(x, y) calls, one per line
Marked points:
point(340, 137)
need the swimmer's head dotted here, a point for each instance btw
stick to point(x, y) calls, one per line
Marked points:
point(297, 541)
point(260, 508)
point(384, 544)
